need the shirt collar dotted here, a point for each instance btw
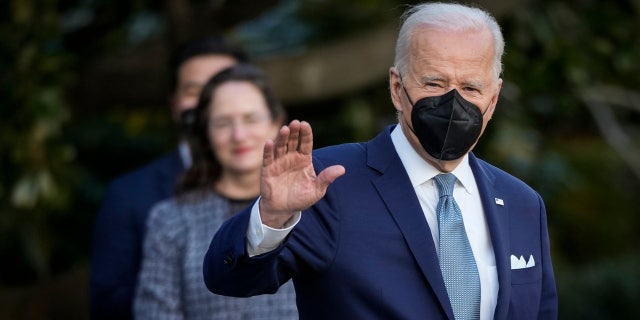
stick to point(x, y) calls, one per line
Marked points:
point(185, 154)
point(420, 171)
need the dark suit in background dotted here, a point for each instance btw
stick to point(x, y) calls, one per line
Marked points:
point(120, 228)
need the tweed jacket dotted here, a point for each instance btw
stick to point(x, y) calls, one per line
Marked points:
point(171, 285)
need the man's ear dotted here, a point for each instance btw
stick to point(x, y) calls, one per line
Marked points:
point(494, 99)
point(498, 89)
point(395, 88)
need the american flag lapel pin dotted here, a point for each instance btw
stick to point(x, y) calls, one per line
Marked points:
point(499, 201)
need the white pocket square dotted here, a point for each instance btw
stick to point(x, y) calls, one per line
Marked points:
point(521, 263)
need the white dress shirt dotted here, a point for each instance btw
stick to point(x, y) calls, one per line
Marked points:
point(185, 154)
point(262, 238)
point(467, 197)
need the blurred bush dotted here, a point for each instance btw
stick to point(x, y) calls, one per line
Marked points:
point(37, 172)
point(607, 289)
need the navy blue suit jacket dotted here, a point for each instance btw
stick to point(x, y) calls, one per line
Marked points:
point(365, 250)
point(119, 234)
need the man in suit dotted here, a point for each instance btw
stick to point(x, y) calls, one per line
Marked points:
point(410, 225)
point(120, 224)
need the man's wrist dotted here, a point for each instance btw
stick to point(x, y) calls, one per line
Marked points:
point(261, 238)
point(274, 220)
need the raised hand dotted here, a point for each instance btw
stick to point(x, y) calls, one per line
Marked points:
point(289, 183)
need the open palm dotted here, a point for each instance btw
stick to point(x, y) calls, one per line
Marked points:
point(289, 183)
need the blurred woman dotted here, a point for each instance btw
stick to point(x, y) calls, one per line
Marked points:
point(236, 114)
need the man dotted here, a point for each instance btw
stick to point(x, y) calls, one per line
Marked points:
point(416, 227)
point(120, 225)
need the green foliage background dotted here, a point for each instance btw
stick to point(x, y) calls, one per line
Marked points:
point(57, 157)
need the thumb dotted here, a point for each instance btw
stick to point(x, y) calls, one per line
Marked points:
point(330, 174)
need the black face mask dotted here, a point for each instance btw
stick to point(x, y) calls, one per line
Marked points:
point(447, 125)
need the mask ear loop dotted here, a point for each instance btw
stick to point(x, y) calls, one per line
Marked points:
point(405, 89)
point(487, 109)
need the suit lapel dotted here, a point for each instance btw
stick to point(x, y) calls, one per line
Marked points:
point(498, 221)
point(398, 194)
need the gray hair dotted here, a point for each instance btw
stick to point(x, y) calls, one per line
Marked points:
point(450, 16)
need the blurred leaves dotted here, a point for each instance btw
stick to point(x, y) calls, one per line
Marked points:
point(603, 290)
point(37, 175)
point(567, 66)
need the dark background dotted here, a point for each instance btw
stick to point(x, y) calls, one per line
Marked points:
point(84, 98)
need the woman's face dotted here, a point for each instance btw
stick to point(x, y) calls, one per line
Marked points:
point(239, 125)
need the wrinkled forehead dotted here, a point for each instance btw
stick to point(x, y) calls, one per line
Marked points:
point(440, 43)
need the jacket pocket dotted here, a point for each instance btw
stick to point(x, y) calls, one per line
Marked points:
point(526, 275)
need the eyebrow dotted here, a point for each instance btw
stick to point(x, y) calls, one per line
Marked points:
point(425, 79)
point(473, 84)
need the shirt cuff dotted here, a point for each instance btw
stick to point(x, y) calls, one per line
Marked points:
point(262, 238)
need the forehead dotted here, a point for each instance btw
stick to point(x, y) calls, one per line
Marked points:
point(456, 54)
point(237, 97)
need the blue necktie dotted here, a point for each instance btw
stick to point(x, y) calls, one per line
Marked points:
point(457, 263)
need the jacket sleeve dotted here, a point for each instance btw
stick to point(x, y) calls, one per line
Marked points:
point(228, 269)
point(549, 300)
